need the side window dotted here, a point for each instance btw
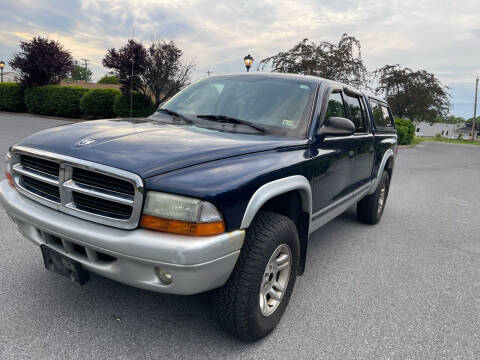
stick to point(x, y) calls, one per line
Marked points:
point(356, 113)
point(386, 117)
point(381, 115)
point(335, 106)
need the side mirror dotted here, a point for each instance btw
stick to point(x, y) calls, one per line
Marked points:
point(337, 126)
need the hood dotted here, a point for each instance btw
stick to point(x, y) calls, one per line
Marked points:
point(148, 147)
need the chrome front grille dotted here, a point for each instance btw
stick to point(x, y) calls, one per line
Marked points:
point(81, 188)
point(45, 190)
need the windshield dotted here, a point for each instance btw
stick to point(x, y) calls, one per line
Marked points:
point(280, 106)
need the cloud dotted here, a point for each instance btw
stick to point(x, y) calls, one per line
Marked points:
point(431, 34)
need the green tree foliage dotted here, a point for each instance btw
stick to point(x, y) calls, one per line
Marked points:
point(142, 105)
point(416, 95)
point(98, 103)
point(469, 121)
point(55, 100)
point(11, 97)
point(42, 62)
point(81, 73)
point(405, 131)
point(341, 62)
point(451, 119)
point(109, 79)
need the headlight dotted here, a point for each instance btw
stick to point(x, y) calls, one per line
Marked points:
point(8, 168)
point(181, 215)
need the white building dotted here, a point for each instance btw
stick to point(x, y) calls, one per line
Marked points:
point(429, 130)
point(8, 76)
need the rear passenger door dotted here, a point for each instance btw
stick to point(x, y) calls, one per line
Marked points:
point(385, 133)
point(363, 139)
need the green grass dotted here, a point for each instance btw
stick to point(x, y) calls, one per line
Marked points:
point(417, 140)
point(453, 141)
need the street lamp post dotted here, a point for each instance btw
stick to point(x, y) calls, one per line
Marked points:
point(2, 65)
point(248, 60)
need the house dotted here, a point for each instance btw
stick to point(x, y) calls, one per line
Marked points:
point(444, 129)
point(466, 130)
point(9, 76)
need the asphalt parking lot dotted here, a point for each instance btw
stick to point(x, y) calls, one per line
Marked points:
point(408, 287)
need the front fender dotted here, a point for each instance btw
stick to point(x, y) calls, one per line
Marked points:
point(275, 188)
point(231, 183)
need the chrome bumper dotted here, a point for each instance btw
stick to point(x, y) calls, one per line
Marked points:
point(196, 264)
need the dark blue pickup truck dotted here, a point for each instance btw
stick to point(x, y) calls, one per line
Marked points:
point(219, 189)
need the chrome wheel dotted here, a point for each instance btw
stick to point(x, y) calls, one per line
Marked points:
point(381, 200)
point(275, 279)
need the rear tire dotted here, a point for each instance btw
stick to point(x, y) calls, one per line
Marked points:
point(250, 305)
point(370, 208)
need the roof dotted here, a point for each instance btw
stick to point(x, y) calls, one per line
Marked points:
point(308, 78)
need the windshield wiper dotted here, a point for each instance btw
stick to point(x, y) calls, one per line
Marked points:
point(232, 120)
point(176, 114)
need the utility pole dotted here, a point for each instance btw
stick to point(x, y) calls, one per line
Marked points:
point(474, 110)
point(86, 67)
point(131, 90)
point(131, 78)
point(209, 72)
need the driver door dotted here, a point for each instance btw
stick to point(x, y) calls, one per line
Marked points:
point(333, 160)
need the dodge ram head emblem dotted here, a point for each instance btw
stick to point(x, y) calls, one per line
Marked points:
point(86, 142)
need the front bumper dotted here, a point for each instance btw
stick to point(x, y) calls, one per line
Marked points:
point(132, 257)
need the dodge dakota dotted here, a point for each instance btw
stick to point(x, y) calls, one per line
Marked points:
point(220, 189)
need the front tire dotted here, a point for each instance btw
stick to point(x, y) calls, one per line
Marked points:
point(370, 208)
point(252, 302)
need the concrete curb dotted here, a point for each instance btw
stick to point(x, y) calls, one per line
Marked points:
point(42, 116)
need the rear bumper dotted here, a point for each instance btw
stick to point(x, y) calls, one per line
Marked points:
point(196, 264)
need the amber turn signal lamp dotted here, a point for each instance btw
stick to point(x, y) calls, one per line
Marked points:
point(9, 179)
point(182, 227)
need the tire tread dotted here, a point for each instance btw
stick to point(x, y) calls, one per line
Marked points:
point(233, 303)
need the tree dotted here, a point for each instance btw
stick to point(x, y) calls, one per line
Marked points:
point(42, 62)
point(416, 95)
point(128, 64)
point(341, 62)
point(158, 70)
point(165, 74)
point(452, 119)
point(81, 73)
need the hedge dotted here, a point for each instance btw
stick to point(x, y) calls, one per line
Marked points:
point(73, 102)
point(55, 100)
point(405, 131)
point(11, 97)
point(98, 103)
point(107, 79)
point(142, 106)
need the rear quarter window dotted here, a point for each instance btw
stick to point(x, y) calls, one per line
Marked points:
point(381, 115)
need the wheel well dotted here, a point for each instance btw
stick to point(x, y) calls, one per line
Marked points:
point(290, 205)
point(389, 167)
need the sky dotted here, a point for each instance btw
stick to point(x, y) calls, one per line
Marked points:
point(440, 36)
